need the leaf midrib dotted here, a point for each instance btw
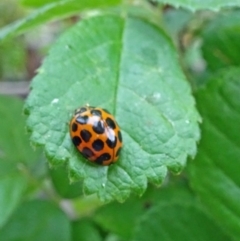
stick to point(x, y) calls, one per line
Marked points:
point(118, 74)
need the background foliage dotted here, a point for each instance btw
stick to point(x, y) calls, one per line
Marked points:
point(169, 75)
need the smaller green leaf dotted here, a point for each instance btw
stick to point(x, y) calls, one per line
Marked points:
point(195, 5)
point(53, 11)
point(215, 171)
point(38, 221)
point(15, 155)
point(85, 230)
point(221, 43)
point(112, 220)
point(176, 216)
point(12, 188)
point(37, 3)
point(62, 184)
point(179, 222)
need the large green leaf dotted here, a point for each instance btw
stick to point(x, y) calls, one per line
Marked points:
point(221, 43)
point(37, 220)
point(215, 172)
point(202, 4)
point(129, 67)
point(53, 11)
point(15, 155)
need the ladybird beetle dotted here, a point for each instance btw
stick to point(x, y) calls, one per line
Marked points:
point(96, 135)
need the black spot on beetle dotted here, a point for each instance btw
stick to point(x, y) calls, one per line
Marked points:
point(74, 127)
point(102, 158)
point(98, 127)
point(86, 135)
point(120, 136)
point(87, 153)
point(76, 140)
point(96, 112)
point(111, 123)
point(81, 110)
point(82, 119)
point(111, 143)
point(98, 145)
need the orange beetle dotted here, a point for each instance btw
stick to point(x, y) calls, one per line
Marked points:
point(96, 135)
